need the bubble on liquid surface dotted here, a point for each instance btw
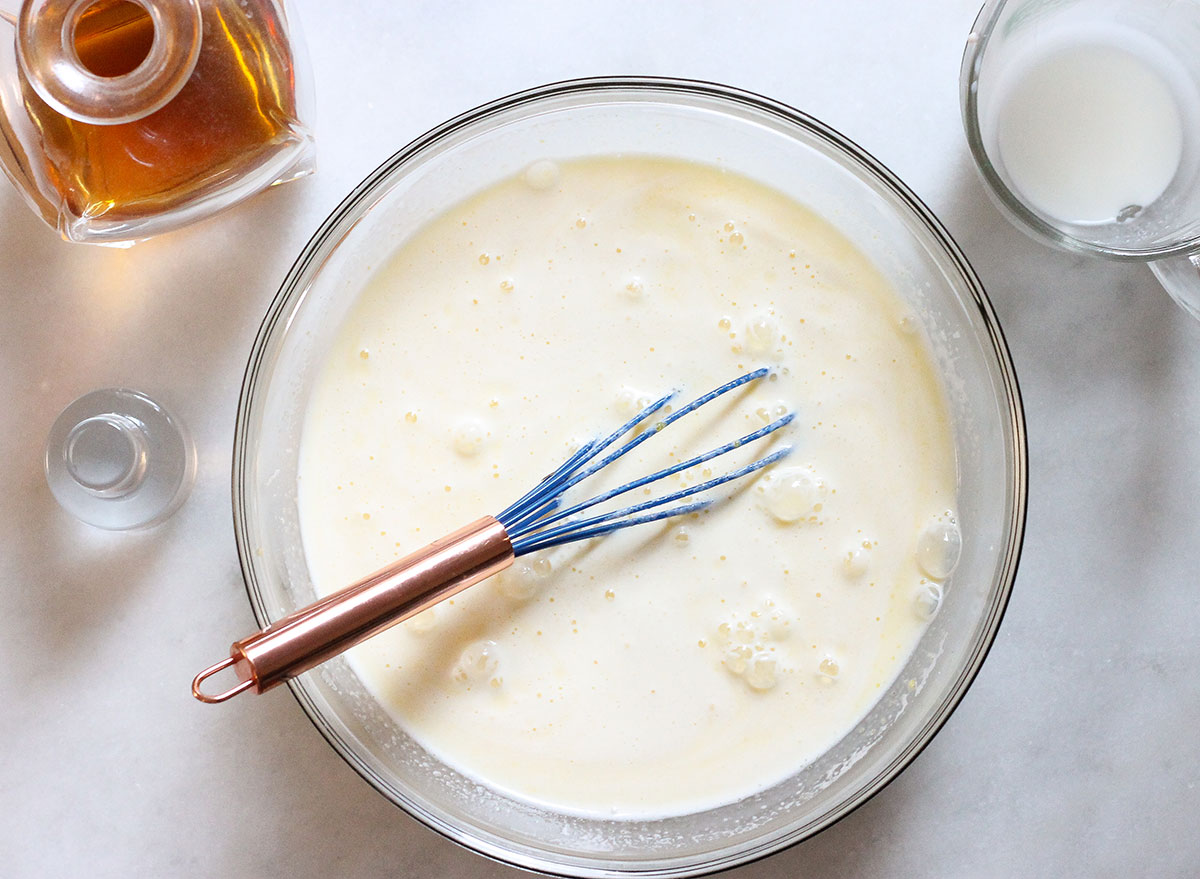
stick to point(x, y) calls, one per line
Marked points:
point(760, 673)
point(478, 663)
point(634, 288)
point(778, 621)
point(425, 621)
point(631, 401)
point(542, 175)
point(737, 657)
point(762, 333)
point(928, 601)
point(828, 670)
point(754, 665)
point(748, 643)
point(794, 494)
point(523, 579)
point(856, 561)
point(470, 435)
point(939, 546)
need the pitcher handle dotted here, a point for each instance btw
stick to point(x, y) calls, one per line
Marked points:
point(1180, 275)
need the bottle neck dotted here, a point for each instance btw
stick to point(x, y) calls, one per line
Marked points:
point(108, 61)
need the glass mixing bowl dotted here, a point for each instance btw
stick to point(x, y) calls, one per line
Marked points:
point(760, 139)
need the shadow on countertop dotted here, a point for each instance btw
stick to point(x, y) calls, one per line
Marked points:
point(173, 317)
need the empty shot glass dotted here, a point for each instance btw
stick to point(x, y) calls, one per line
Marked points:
point(118, 460)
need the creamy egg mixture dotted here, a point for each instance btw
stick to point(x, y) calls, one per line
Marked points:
point(674, 666)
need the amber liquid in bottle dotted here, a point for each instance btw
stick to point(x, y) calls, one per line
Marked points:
point(232, 115)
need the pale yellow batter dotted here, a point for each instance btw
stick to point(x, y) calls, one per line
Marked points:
point(670, 667)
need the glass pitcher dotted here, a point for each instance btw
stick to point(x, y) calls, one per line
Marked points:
point(1084, 119)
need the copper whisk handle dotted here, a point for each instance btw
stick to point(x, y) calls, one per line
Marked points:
point(537, 521)
point(313, 634)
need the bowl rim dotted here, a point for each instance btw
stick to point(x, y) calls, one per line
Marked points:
point(338, 225)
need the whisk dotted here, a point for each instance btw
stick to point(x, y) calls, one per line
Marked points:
point(539, 520)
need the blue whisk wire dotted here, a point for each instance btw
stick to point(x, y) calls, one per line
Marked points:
point(581, 528)
point(666, 422)
point(550, 489)
point(528, 520)
point(548, 495)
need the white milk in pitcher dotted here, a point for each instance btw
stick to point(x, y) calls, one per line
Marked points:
point(1089, 128)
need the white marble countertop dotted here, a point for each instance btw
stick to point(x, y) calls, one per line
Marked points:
point(1077, 751)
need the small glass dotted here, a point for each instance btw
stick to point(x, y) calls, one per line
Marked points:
point(118, 460)
point(1084, 119)
point(121, 119)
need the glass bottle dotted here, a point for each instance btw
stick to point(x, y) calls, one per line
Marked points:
point(120, 119)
